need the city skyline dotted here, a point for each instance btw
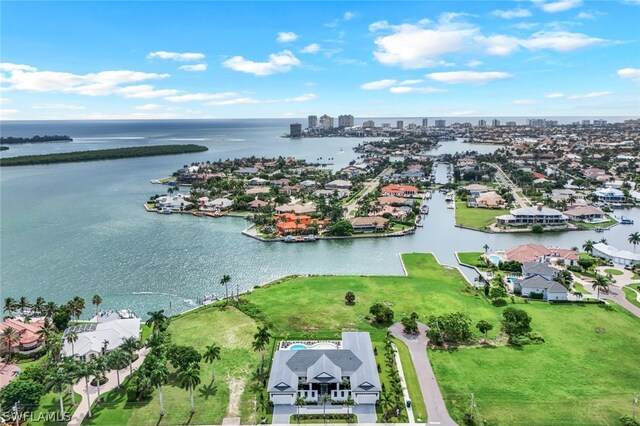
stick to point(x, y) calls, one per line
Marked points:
point(281, 60)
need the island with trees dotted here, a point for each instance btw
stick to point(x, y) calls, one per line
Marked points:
point(36, 139)
point(101, 154)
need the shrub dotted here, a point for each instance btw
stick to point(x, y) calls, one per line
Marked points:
point(537, 229)
point(516, 322)
point(381, 313)
point(537, 296)
point(628, 421)
point(350, 298)
point(410, 325)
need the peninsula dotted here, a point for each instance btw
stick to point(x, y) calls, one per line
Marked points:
point(101, 154)
point(35, 139)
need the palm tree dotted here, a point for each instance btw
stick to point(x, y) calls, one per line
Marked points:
point(588, 246)
point(156, 320)
point(260, 342)
point(486, 248)
point(100, 367)
point(76, 306)
point(130, 345)
point(49, 309)
point(324, 400)
point(23, 303)
point(8, 338)
point(39, 305)
point(603, 241)
point(189, 379)
point(211, 353)
point(85, 369)
point(117, 360)
point(9, 305)
point(634, 239)
point(224, 281)
point(72, 370)
point(600, 283)
point(56, 378)
point(159, 376)
point(386, 401)
point(299, 402)
point(96, 300)
point(349, 402)
point(571, 199)
point(54, 347)
point(72, 337)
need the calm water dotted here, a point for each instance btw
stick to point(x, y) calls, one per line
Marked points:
point(80, 229)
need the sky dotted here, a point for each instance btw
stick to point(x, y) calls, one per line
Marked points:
point(144, 59)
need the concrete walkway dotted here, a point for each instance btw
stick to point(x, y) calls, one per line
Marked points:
point(615, 293)
point(436, 409)
point(112, 383)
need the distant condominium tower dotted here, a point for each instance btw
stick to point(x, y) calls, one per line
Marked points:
point(368, 124)
point(345, 121)
point(313, 121)
point(586, 122)
point(399, 124)
point(495, 123)
point(482, 123)
point(326, 122)
point(441, 123)
point(386, 125)
point(599, 122)
point(295, 130)
point(425, 122)
point(511, 124)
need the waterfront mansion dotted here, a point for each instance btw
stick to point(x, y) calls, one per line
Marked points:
point(311, 369)
point(533, 215)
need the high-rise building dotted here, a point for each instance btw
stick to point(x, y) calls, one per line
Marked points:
point(368, 124)
point(586, 122)
point(345, 121)
point(495, 123)
point(599, 122)
point(399, 124)
point(295, 130)
point(326, 122)
point(482, 123)
point(386, 125)
point(441, 123)
point(511, 124)
point(313, 121)
point(425, 122)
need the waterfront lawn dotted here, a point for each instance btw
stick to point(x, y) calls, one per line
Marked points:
point(471, 258)
point(233, 332)
point(476, 218)
point(610, 222)
point(560, 381)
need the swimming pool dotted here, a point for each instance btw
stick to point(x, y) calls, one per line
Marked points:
point(495, 259)
point(297, 347)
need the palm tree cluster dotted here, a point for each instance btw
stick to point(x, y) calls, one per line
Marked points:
point(391, 400)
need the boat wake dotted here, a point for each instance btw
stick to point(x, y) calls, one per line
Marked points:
point(146, 293)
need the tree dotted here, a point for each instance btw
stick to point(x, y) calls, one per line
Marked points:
point(349, 402)
point(484, 327)
point(38, 306)
point(23, 303)
point(600, 282)
point(61, 318)
point(324, 400)
point(299, 402)
point(55, 380)
point(86, 370)
point(26, 392)
point(381, 313)
point(537, 229)
point(157, 319)
point(8, 338)
point(72, 370)
point(588, 246)
point(497, 292)
point(449, 328)
point(410, 325)
point(182, 357)
point(341, 228)
point(260, 342)
point(130, 345)
point(486, 248)
point(225, 281)
point(515, 322)
point(72, 338)
point(117, 360)
point(75, 307)
point(211, 353)
point(634, 238)
point(100, 367)
point(9, 305)
point(350, 298)
point(159, 375)
point(189, 379)
point(96, 300)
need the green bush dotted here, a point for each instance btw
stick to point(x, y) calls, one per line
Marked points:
point(536, 296)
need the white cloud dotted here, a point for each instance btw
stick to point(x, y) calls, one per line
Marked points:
point(235, 101)
point(474, 63)
point(5, 101)
point(512, 13)
point(193, 68)
point(630, 73)
point(311, 48)
point(348, 16)
point(149, 107)
point(6, 66)
point(410, 89)
point(277, 63)
point(632, 2)
point(500, 45)
point(175, 56)
point(379, 25)
point(557, 6)
point(145, 91)
point(191, 97)
point(590, 95)
point(7, 113)
point(58, 106)
point(467, 77)
point(525, 25)
point(585, 15)
point(410, 82)
point(302, 98)
point(555, 95)
point(286, 37)
point(378, 84)
point(560, 41)
point(524, 102)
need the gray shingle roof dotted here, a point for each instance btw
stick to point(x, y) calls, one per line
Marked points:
point(538, 268)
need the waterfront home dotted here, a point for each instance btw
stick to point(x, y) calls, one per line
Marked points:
point(395, 212)
point(476, 189)
point(384, 201)
point(339, 369)
point(411, 175)
point(609, 195)
point(219, 203)
point(533, 215)
point(308, 208)
point(29, 339)
point(399, 190)
point(564, 194)
point(339, 184)
point(486, 200)
point(530, 269)
point(256, 205)
point(95, 339)
point(289, 223)
point(584, 214)
point(538, 253)
point(538, 287)
point(613, 254)
point(369, 224)
point(173, 202)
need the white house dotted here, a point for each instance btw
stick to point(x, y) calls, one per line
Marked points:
point(536, 284)
point(609, 195)
point(533, 215)
point(96, 339)
point(621, 257)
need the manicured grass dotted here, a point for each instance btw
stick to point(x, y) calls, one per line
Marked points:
point(611, 221)
point(413, 387)
point(471, 258)
point(631, 295)
point(48, 412)
point(476, 218)
point(613, 271)
point(233, 332)
point(384, 377)
point(562, 381)
point(635, 277)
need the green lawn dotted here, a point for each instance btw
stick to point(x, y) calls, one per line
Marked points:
point(476, 218)
point(613, 271)
point(413, 387)
point(611, 221)
point(631, 295)
point(233, 332)
point(471, 258)
point(48, 411)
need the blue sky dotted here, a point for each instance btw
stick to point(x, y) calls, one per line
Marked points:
point(93, 60)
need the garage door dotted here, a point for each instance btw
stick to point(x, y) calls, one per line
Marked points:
point(282, 399)
point(366, 398)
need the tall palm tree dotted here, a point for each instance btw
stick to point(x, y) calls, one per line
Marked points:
point(72, 338)
point(156, 320)
point(189, 379)
point(54, 347)
point(9, 305)
point(324, 400)
point(96, 301)
point(486, 248)
point(159, 376)
point(386, 401)
point(23, 303)
point(600, 283)
point(634, 238)
point(299, 402)
point(117, 360)
point(588, 246)
point(130, 345)
point(38, 306)
point(225, 281)
point(8, 338)
point(211, 353)
point(603, 241)
point(100, 367)
point(76, 306)
point(571, 199)
point(86, 370)
point(55, 379)
point(260, 342)
point(349, 402)
point(72, 369)
point(50, 309)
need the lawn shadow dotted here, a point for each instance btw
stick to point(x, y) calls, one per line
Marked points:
point(208, 390)
point(188, 422)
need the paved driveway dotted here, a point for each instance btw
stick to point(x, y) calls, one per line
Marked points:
point(282, 414)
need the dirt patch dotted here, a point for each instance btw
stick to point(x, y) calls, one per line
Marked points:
point(236, 387)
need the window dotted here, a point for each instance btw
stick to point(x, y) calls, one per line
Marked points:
point(306, 394)
point(342, 394)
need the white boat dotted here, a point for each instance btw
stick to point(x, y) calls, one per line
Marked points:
point(450, 206)
point(165, 211)
point(155, 181)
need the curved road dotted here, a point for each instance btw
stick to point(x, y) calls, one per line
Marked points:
point(436, 408)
